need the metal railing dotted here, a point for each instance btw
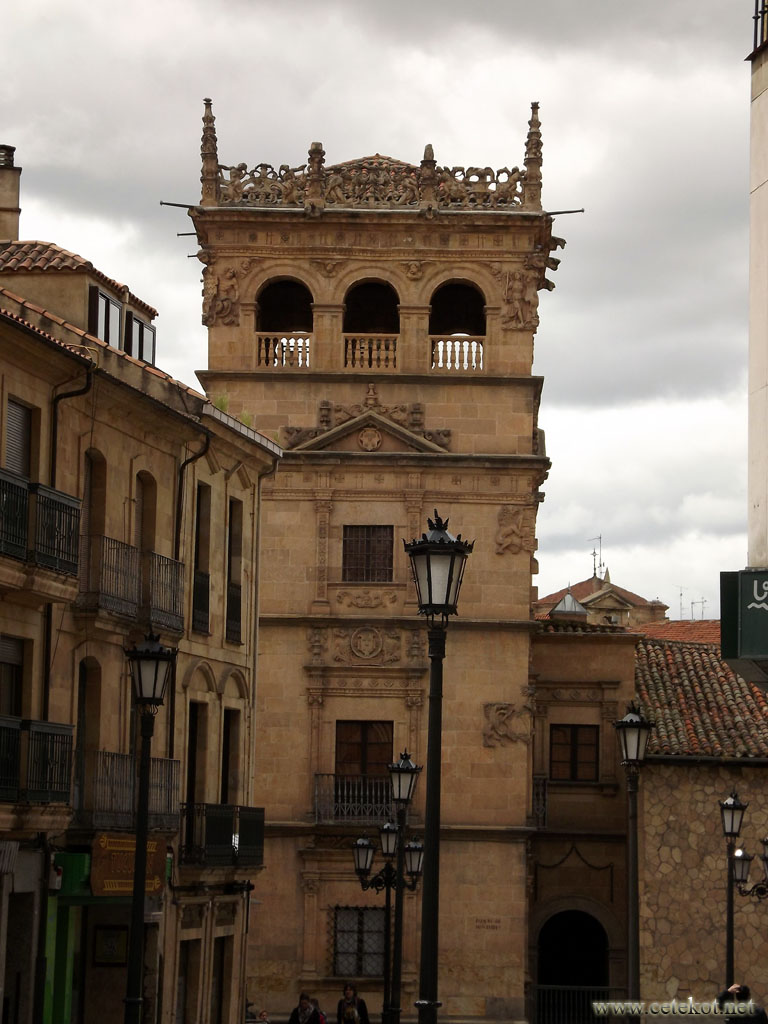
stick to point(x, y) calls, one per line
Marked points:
point(234, 625)
point(458, 355)
point(539, 801)
point(111, 576)
point(284, 351)
point(111, 791)
point(164, 594)
point(358, 798)
point(370, 351)
point(47, 762)
point(220, 835)
point(14, 515)
point(54, 529)
point(572, 1004)
point(201, 598)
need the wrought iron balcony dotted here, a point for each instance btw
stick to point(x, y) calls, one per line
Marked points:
point(39, 524)
point(222, 835)
point(111, 576)
point(201, 598)
point(162, 592)
point(354, 798)
point(234, 613)
point(107, 791)
point(35, 761)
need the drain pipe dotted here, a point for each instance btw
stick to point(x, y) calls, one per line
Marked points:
point(176, 552)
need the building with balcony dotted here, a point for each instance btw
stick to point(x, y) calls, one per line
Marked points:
point(377, 318)
point(128, 505)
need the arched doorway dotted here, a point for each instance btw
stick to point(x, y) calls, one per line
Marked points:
point(572, 968)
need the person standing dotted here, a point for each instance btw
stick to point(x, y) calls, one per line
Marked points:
point(305, 1012)
point(741, 994)
point(352, 1008)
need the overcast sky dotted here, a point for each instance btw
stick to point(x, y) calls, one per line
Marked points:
point(645, 112)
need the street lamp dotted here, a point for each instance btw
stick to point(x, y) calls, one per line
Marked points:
point(731, 816)
point(438, 561)
point(408, 861)
point(633, 732)
point(150, 668)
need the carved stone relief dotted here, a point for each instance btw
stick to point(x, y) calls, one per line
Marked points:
point(499, 724)
point(369, 439)
point(511, 528)
point(330, 415)
point(366, 598)
point(366, 643)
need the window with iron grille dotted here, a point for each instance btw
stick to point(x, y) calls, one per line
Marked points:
point(358, 942)
point(573, 753)
point(367, 554)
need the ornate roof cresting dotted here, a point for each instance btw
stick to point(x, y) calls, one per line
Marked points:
point(372, 182)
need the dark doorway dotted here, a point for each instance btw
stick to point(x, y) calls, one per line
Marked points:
point(572, 968)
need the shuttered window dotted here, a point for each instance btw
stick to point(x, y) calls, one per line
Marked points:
point(18, 438)
point(11, 666)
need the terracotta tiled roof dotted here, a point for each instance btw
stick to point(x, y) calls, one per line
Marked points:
point(700, 707)
point(17, 257)
point(547, 625)
point(705, 631)
point(586, 588)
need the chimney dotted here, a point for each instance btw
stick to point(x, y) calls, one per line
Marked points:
point(9, 195)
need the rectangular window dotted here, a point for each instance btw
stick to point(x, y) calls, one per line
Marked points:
point(358, 942)
point(11, 671)
point(573, 752)
point(234, 572)
point(367, 554)
point(104, 315)
point(18, 438)
point(201, 589)
point(363, 748)
point(139, 338)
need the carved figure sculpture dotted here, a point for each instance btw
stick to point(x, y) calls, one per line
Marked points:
point(509, 536)
point(498, 727)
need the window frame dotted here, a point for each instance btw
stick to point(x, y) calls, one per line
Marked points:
point(358, 969)
point(582, 736)
point(367, 553)
point(99, 303)
point(139, 336)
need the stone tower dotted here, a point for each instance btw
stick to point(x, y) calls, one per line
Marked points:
point(377, 318)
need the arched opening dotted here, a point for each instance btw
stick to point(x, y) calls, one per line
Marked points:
point(457, 309)
point(371, 308)
point(572, 968)
point(88, 772)
point(284, 307)
point(93, 516)
point(145, 512)
point(457, 327)
point(371, 326)
point(284, 324)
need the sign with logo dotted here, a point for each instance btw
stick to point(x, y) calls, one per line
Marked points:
point(744, 623)
point(112, 864)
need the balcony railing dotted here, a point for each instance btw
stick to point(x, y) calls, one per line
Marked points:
point(39, 524)
point(370, 351)
point(457, 355)
point(358, 798)
point(163, 592)
point(54, 529)
point(201, 598)
point(572, 1004)
point(284, 351)
point(110, 790)
point(35, 761)
point(222, 835)
point(234, 613)
point(111, 576)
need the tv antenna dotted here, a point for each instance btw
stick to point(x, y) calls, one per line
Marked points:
point(597, 555)
point(702, 602)
point(681, 588)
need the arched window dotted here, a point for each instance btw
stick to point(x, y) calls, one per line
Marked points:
point(371, 308)
point(145, 512)
point(93, 516)
point(457, 309)
point(457, 327)
point(284, 307)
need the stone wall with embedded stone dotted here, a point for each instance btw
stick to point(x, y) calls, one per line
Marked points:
point(683, 881)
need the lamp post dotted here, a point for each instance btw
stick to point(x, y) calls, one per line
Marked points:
point(150, 667)
point(633, 732)
point(408, 861)
point(438, 561)
point(731, 816)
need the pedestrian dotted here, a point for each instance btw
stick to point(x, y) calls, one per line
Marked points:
point(320, 1014)
point(352, 1008)
point(741, 994)
point(305, 1012)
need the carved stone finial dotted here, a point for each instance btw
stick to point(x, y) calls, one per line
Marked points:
point(209, 177)
point(315, 193)
point(532, 179)
point(429, 154)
